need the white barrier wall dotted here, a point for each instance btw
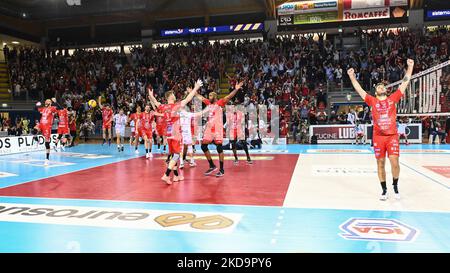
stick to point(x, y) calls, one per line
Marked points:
point(21, 144)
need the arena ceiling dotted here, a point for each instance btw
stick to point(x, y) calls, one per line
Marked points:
point(163, 9)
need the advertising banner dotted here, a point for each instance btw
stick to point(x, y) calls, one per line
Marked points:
point(345, 133)
point(366, 14)
point(21, 144)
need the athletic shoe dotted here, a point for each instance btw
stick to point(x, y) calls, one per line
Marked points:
point(178, 178)
point(46, 162)
point(150, 155)
point(121, 149)
point(166, 179)
point(210, 170)
point(118, 149)
point(147, 155)
point(192, 164)
point(236, 162)
point(250, 162)
point(136, 151)
point(384, 196)
point(220, 173)
point(396, 193)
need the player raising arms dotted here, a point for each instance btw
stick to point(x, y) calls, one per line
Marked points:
point(214, 127)
point(120, 121)
point(63, 128)
point(107, 115)
point(46, 123)
point(172, 116)
point(384, 114)
point(145, 129)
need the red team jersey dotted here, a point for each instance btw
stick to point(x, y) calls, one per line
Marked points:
point(173, 128)
point(63, 125)
point(107, 115)
point(46, 122)
point(384, 114)
point(145, 126)
point(214, 126)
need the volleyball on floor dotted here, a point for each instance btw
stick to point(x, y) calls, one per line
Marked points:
point(92, 103)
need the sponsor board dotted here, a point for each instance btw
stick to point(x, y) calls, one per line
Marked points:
point(386, 230)
point(312, 6)
point(366, 14)
point(21, 144)
point(438, 14)
point(5, 174)
point(332, 170)
point(344, 134)
point(442, 170)
point(366, 4)
point(120, 218)
point(337, 151)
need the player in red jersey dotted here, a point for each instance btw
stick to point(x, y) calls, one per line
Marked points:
point(161, 139)
point(213, 132)
point(135, 118)
point(145, 129)
point(46, 123)
point(171, 114)
point(384, 114)
point(63, 128)
point(107, 115)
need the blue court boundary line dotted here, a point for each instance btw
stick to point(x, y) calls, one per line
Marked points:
point(432, 179)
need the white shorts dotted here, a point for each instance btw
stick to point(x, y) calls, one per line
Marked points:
point(186, 137)
point(120, 131)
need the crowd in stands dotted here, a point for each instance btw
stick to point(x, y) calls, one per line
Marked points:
point(294, 72)
point(18, 127)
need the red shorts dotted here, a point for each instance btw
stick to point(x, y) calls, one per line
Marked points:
point(46, 131)
point(63, 131)
point(106, 126)
point(174, 146)
point(160, 130)
point(146, 132)
point(383, 144)
point(217, 139)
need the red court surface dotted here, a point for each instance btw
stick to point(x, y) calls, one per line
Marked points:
point(263, 183)
point(442, 170)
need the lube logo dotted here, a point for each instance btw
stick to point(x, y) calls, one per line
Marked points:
point(387, 230)
point(73, 2)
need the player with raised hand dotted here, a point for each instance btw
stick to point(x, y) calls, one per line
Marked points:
point(385, 136)
point(171, 114)
point(107, 115)
point(46, 122)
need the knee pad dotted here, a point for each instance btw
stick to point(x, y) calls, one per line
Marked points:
point(219, 148)
point(176, 157)
point(204, 147)
point(47, 145)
